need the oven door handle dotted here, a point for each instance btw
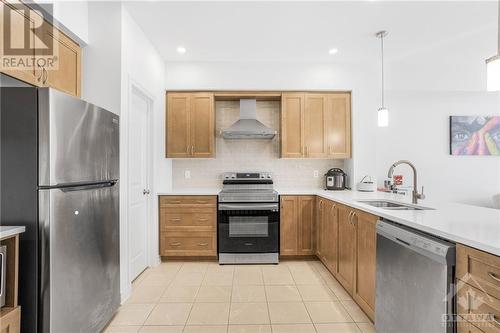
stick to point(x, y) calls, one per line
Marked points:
point(254, 206)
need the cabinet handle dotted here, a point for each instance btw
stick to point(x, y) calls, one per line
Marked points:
point(175, 244)
point(352, 218)
point(175, 220)
point(494, 319)
point(202, 220)
point(192, 150)
point(202, 244)
point(201, 201)
point(44, 71)
point(41, 74)
point(332, 209)
point(493, 276)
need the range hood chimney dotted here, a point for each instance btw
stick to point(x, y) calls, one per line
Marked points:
point(248, 127)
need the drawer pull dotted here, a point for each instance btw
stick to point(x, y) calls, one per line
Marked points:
point(493, 276)
point(175, 220)
point(202, 220)
point(175, 244)
point(201, 201)
point(174, 202)
point(494, 319)
point(202, 244)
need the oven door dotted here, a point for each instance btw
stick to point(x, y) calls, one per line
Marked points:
point(248, 228)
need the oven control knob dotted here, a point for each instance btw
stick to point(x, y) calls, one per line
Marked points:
point(262, 176)
point(268, 176)
point(233, 177)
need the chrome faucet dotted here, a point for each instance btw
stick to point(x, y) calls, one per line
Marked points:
point(415, 194)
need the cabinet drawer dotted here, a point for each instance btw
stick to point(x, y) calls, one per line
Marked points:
point(188, 200)
point(478, 308)
point(187, 243)
point(479, 269)
point(169, 220)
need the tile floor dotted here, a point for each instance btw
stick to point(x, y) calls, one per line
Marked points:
point(190, 297)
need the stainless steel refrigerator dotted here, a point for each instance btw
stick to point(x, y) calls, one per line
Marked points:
point(59, 178)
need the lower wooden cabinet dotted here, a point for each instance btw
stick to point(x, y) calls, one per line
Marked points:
point(478, 290)
point(297, 214)
point(346, 248)
point(329, 241)
point(365, 262)
point(10, 320)
point(188, 226)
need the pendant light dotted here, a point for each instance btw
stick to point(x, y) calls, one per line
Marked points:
point(383, 112)
point(493, 65)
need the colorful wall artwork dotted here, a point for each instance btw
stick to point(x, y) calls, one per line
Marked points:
point(475, 135)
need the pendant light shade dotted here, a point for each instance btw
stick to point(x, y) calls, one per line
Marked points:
point(493, 65)
point(383, 117)
point(383, 112)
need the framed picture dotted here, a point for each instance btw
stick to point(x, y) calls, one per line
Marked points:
point(475, 135)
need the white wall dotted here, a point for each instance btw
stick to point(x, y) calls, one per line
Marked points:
point(142, 68)
point(294, 76)
point(101, 58)
point(72, 17)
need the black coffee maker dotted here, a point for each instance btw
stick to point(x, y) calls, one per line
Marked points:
point(335, 179)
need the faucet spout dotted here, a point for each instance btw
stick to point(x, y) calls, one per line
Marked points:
point(415, 194)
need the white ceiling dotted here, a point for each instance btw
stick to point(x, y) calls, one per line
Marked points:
point(301, 31)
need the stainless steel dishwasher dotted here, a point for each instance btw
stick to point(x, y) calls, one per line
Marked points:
point(415, 281)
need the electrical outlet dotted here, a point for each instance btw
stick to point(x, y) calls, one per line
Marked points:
point(187, 174)
point(316, 174)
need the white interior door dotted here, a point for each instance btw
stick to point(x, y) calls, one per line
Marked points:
point(139, 166)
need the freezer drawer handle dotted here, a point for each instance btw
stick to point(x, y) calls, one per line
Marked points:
point(493, 276)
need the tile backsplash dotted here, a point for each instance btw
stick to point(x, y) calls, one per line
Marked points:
point(249, 155)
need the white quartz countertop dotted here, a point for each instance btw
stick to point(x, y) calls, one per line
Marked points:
point(474, 226)
point(7, 231)
point(192, 191)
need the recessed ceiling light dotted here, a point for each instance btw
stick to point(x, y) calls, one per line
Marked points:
point(181, 50)
point(333, 51)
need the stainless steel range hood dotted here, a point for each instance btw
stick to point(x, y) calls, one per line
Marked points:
point(248, 127)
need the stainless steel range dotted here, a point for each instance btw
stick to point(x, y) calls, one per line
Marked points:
point(248, 219)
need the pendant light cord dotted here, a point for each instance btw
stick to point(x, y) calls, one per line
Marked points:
point(383, 81)
point(498, 34)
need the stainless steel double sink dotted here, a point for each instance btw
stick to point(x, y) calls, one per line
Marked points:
point(392, 205)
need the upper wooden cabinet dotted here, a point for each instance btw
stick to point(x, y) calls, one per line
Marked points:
point(338, 125)
point(66, 76)
point(59, 67)
point(292, 129)
point(316, 125)
point(190, 125)
point(297, 225)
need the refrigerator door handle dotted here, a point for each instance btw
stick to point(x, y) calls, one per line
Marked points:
point(72, 188)
point(81, 186)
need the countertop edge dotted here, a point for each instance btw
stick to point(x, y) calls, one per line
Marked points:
point(8, 231)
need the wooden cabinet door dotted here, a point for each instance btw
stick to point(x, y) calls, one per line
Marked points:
point(292, 130)
point(288, 225)
point(306, 209)
point(178, 125)
point(314, 126)
point(338, 125)
point(65, 76)
point(202, 124)
point(330, 239)
point(20, 19)
point(365, 267)
point(320, 203)
point(346, 242)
